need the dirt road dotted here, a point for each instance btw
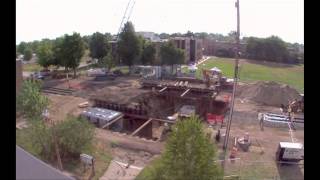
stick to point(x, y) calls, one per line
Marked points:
point(130, 142)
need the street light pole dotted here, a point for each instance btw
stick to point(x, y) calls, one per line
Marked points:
point(236, 69)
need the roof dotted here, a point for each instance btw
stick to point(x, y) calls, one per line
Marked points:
point(30, 167)
point(101, 113)
point(291, 145)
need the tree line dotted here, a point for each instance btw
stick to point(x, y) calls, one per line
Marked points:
point(131, 49)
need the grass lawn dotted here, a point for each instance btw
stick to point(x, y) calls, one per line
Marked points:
point(99, 152)
point(250, 71)
point(32, 67)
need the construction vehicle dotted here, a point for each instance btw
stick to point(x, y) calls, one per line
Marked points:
point(213, 78)
point(294, 106)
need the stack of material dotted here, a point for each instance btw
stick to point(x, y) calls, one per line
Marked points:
point(268, 93)
point(100, 116)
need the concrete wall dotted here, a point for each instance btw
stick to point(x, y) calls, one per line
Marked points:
point(19, 78)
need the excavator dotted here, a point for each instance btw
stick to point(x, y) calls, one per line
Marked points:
point(211, 77)
point(294, 106)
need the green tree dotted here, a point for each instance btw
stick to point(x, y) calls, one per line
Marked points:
point(21, 47)
point(108, 62)
point(30, 102)
point(269, 49)
point(27, 55)
point(164, 36)
point(129, 45)
point(189, 154)
point(45, 55)
point(99, 46)
point(73, 142)
point(71, 51)
point(57, 54)
point(170, 55)
point(189, 34)
point(148, 54)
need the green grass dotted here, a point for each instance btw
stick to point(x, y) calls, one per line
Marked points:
point(251, 71)
point(32, 67)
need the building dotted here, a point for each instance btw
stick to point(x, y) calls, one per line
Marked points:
point(191, 46)
point(19, 78)
point(30, 167)
point(151, 36)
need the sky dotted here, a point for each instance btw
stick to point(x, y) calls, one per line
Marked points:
point(38, 19)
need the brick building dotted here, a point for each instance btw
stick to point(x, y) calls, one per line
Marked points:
point(191, 46)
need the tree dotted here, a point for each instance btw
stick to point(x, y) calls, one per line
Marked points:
point(188, 154)
point(269, 49)
point(189, 34)
point(30, 102)
point(170, 55)
point(164, 36)
point(129, 45)
point(70, 51)
point(27, 55)
point(148, 54)
point(76, 141)
point(99, 46)
point(45, 55)
point(56, 49)
point(21, 47)
point(108, 62)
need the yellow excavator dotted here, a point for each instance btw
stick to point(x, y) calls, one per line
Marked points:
point(211, 77)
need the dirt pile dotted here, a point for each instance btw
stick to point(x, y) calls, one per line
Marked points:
point(268, 93)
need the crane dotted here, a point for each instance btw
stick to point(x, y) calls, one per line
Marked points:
point(124, 20)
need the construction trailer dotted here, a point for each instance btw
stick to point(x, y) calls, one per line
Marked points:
point(290, 152)
point(103, 117)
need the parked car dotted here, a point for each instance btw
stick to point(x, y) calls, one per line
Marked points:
point(37, 75)
point(45, 72)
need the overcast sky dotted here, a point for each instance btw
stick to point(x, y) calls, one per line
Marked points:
point(38, 19)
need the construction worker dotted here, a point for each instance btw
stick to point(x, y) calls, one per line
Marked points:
point(218, 136)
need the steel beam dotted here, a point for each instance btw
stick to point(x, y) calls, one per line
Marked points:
point(142, 126)
point(185, 93)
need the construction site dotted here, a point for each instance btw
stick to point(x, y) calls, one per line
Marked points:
point(258, 128)
point(137, 113)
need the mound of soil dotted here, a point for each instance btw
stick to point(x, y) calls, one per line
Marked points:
point(268, 93)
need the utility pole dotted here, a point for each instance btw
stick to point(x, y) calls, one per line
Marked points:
point(236, 68)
